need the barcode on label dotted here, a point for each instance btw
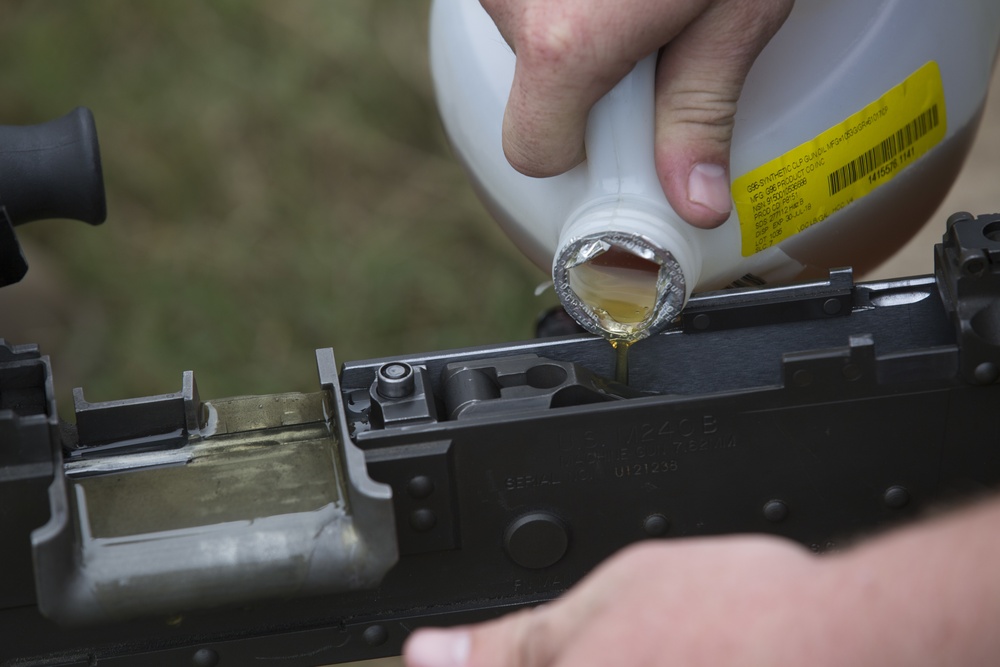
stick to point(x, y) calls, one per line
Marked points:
point(873, 159)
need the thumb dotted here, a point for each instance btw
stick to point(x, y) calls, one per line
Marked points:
point(528, 638)
point(698, 82)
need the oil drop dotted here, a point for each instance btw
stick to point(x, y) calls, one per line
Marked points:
point(621, 347)
point(620, 289)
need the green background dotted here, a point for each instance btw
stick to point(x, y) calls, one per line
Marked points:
point(277, 181)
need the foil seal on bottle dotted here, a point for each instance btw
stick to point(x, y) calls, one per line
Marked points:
point(670, 285)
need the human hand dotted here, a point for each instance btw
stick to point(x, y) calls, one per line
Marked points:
point(714, 602)
point(571, 52)
point(925, 595)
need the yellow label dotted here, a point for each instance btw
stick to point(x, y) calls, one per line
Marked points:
point(810, 182)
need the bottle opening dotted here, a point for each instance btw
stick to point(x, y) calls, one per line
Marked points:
point(619, 284)
point(619, 288)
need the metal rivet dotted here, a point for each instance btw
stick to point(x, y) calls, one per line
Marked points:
point(656, 525)
point(375, 635)
point(831, 306)
point(420, 487)
point(802, 377)
point(775, 511)
point(394, 380)
point(422, 520)
point(896, 497)
point(701, 321)
point(986, 373)
point(205, 657)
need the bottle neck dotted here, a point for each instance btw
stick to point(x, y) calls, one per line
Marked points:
point(624, 268)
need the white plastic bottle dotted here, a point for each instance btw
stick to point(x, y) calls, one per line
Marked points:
point(853, 124)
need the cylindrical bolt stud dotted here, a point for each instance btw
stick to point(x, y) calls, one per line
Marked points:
point(375, 635)
point(896, 497)
point(423, 520)
point(775, 511)
point(394, 380)
point(420, 487)
point(205, 657)
point(656, 525)
point(986, 373)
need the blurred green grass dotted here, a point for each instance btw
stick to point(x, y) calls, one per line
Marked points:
point(277, 181)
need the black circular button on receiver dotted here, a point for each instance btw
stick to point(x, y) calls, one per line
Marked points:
point(536, 540)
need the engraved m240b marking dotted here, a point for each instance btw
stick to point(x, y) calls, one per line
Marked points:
point(679, 435)
point(684, 427)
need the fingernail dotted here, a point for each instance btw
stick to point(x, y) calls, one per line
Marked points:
point(438, 648)
point(708, 185)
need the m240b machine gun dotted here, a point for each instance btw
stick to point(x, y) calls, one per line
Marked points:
point(309, 529)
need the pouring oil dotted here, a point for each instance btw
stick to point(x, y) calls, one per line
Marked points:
point(798, 204)
point(620, 289)
point(621, 347)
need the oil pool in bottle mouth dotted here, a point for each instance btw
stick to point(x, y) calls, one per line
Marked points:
point(620, 289)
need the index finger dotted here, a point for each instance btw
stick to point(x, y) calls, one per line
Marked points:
point(569, 54)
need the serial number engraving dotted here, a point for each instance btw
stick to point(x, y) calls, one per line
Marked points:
point(645, 468)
